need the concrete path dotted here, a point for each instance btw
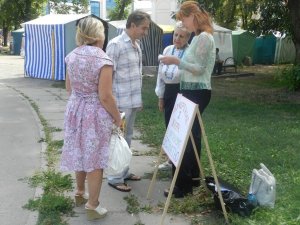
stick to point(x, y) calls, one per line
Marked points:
point(20, 155)
point(51, 102)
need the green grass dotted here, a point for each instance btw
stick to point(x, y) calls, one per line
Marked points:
point(248, 121)
point(134, 206)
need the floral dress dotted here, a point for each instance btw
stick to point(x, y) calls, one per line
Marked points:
point(88, 126)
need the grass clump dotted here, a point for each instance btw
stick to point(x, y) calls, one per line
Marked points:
point(52, 181)
point(163, 175)
point(133, 205)
point(52, 204)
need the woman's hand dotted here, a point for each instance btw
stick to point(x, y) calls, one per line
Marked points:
point(168, 60)
point(161, 104)
point(118, 122)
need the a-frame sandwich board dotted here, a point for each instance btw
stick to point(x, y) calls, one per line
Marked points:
point(174, 143)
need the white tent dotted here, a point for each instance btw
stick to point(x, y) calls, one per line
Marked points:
point(48, 40)
point(223, 41)
point(285, 51)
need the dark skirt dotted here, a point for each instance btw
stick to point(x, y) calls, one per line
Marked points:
point(189, 168)
point(171, 91)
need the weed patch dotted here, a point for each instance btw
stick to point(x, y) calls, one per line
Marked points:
point(163, 175)
point(134, 207)
point(290, 77)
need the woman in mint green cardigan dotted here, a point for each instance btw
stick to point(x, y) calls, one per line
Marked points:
point(195, 69)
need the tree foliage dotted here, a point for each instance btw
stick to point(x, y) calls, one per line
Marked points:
point(67, 7)
point(15, 12)
point(258, 16)
point(120, 11)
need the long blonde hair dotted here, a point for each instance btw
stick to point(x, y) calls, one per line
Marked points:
point(202, 19)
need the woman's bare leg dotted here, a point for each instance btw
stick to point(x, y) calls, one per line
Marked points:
point(80, 182)
point(94, 180)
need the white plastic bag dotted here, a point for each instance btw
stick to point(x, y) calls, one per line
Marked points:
point(119, 154)
point(263, 186)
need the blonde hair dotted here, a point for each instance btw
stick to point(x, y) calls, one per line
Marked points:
point(89, 31)
point(202, 19)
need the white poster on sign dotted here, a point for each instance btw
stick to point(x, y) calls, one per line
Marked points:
point(179, 128)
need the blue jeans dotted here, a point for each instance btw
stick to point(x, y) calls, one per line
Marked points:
point(120, 178)
point(130, 115)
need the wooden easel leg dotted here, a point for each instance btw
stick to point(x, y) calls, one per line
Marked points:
point(199, 163)
point(212, 166)
point(150, 189)
point(170, 194)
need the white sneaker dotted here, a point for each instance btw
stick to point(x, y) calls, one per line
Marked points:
point(165, 166)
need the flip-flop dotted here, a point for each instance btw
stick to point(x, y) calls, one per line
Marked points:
point(118, 185)
point(133, 177)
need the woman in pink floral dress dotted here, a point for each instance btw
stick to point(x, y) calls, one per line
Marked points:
point(90, 114)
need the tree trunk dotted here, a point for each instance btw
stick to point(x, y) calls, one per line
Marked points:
point(5, 33)
point(122, 9)
point(124, 4)
point(294, 9)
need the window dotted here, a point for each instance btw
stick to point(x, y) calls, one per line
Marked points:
point(95, 8)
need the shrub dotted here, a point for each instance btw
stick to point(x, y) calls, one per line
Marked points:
point(290, 77)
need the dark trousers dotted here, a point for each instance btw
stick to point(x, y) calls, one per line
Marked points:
point(218, 68)
point(171, 91)
point(189, 167)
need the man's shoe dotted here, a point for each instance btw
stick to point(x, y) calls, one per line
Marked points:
point(196, 183)
point(165, 166)
point(177, 192)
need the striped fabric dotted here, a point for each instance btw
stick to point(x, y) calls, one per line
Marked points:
point(59, 54)
point(45, 51)
point(151, 45)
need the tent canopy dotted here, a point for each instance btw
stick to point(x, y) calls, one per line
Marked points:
point(223, 41)
point(54, 19)
point(243, 45)
point(285, 51)
point(222, 37)
point(167, 38)
point(166, 28)
point(48, 40)
point(151, 44)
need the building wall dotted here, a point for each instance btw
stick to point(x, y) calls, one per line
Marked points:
point(101, 8)
point(161, 11)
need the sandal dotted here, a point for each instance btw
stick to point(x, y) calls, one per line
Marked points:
point(97, 213)
point(81, 199)
point(133, 177)
point(120, 187)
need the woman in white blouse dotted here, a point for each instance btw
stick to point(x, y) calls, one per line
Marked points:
point(167, 85)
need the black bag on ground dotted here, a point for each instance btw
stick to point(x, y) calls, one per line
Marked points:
point(233, 200)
